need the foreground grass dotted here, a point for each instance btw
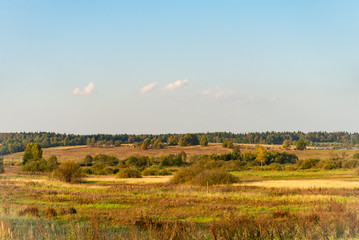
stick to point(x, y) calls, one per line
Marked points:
point(34, 207)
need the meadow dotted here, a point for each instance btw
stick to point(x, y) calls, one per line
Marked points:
point(307, 204)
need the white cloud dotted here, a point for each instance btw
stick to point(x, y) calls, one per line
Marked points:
point(87, 90)
point(177, 84)
point(148, 88)
point(207, 92)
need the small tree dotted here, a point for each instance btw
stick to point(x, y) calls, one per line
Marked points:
point(27, 154)
point(68, 171)
point(286, 144)
point(182, 142)
point(88, 161)
point(262, 155)
point(2, 170)
point(36, 151)
point(301, 144)
point(144, 145)
point(204, 141)
point(172, 140)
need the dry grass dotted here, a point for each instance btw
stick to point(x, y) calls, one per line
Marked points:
point(304, 183)
point(114, 179)
point(78, 153)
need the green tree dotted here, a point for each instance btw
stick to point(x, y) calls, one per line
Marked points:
point(36, 151)
point(88, 161)
point(28, 153)
point(262, 155)
point(301, 144)
point(158, 143)
point(145, 144)
point(52, 162)
point(2, 170)
point(182, 142)
point(172, 140)
point(204, 141)
point(286, 144)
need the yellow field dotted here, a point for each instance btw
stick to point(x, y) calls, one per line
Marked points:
point(78, 153)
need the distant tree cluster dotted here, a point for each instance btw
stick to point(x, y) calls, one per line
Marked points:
point(188, 140)
point(227, 144)
point(33, 161)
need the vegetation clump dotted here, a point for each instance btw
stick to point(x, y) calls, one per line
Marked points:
point(68, 171)
point(204, 141)
point(188, 140)
point(307, 163)
point(128, 173)
point(155, 170)
point(33, 161)
point(301, 145)
point(2, 170)
point(203, 173)
point(227, 144)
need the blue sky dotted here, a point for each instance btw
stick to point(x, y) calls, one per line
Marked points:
point(178, 66)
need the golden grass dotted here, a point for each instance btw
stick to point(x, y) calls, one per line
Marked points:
point(145, 179)
point(304, 183)
point(78, 153)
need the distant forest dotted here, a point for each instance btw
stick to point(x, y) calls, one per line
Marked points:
point(16, 142)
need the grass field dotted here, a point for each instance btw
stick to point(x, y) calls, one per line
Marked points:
point(310, 204)
point(78, 153)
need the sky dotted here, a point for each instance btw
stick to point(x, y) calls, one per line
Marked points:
point(155, 66)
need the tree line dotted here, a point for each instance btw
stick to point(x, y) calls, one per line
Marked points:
point(16, 142)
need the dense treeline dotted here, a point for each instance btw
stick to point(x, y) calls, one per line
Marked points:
point(16, 142)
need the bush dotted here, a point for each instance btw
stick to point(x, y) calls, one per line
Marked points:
point(30, 211)
point(155, 171)
point(173, 160)
point(227, 144)
point(213, 177)
point(356, 155)
point(138, 161)
point(107, 160)
point(128, 173)
point(2, 170)
point(199, 175)
point(88, 161)
point(185, 175)
point(328, 164)
point(68, 171)
point(308, 163)
point(353, 163)
point(50, 212)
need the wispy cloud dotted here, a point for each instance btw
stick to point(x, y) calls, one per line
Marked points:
point(148, 88)
point(87, 90)
point(176, 85)
point(231, 97)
